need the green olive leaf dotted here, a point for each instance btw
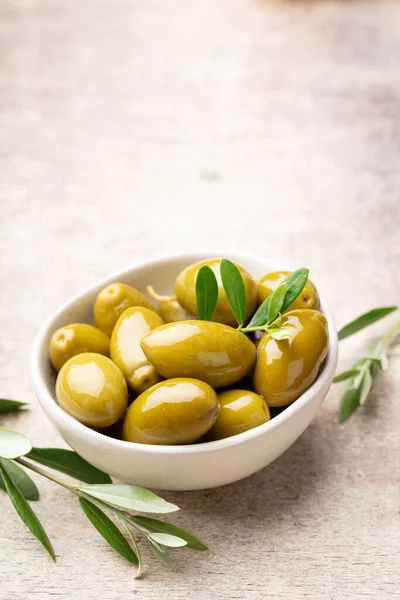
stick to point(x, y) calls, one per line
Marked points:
point(260, 317)
point(134, 544)
point(156, 526)
point(276, 322)
point(365, 320)
point(70, 463)
point(295, 284)
point(108, 530)
point(161, 552)
point(276, 302)
point(13, 444)
point(21, 479)
point(279, 333)
point(206, 293)
point(166, 539)
point(345, 375)
point(9, 405)
point(366, 385)
point(131, 497)
point(349, 401)
point(26, 513)
point(235, 290)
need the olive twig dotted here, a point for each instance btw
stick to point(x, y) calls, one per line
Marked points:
point(44, 473)
point(359, 378)
point(15, 448)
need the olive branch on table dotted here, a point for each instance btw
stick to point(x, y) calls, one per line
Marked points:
point(98, 495)
point(358, 379)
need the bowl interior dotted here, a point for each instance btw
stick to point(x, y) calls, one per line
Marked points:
point(161, 273)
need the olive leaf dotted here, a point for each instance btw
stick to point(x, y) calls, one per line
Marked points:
point(366, 384)
point(235, 290)
point(25, 512)
point(349, 400)
point(134, 544)
point(156, 526)
point(70, 463)
point(24, 483)
point(108, 530)
point(206, 293)
point(276, 302)
point(357, 386)
point(295, 284)
point(279, 333)
point(13, 444)
point(345, 375)
point(365, 320)
point(131, 497)
point(9, 405)
point(161, 552)
point(276, 322)
point(166, 539)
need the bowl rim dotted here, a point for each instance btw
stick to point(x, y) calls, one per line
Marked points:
point(57, 414)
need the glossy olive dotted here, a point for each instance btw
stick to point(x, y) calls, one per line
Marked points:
point(74, 339)
point(171, 311)
point(212, 352)
point(112, 301)
point(125, 350)
point(307, 299)
point(91, 388)
point(177, 411)
point(185, 290)
point(239, 411)
point(285, 369)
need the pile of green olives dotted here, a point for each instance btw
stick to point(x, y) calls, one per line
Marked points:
point(157, 374)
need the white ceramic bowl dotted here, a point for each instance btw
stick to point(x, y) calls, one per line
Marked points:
point(195, 466)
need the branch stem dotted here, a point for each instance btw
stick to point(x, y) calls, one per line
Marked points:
point(159, 297)
point(44, 473)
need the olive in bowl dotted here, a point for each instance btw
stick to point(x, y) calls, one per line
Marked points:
point(91, 388)
point(176, 411)
point(239, 411)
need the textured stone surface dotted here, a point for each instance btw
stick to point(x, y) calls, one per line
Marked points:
point(130, 129)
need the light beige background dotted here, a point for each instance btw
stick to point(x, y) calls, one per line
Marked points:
point(134, 128)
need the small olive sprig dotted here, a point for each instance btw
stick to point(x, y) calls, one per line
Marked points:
point(268, 316)
point(98, 495)
point(358, 379)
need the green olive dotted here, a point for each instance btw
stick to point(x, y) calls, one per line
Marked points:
point(112, 301)
point(286, 368)
point(185, 290)
point(212, 352)
point(239, 411)
point(74, 339)
point(125, 350)
point(91, 388)
point(307, 299)
point(177, 411)
point(171, 311)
